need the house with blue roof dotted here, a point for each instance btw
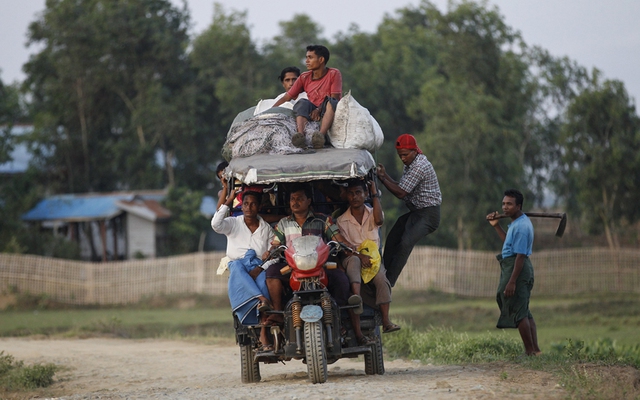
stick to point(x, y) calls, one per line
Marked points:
point(107, 226)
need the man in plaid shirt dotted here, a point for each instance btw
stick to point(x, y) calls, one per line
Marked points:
point(303, 221)
point(419, 189)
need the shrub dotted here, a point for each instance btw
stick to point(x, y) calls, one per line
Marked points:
point(14, 375)
point(35, 376)
point(605, 351)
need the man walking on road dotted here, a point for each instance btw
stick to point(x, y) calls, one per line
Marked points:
point(516, 275)
point(419, 189)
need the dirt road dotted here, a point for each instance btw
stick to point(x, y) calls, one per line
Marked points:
point(143, 369)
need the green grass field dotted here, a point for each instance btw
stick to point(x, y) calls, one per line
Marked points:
point(584, 317)
point(161, 316)
point(127, 323)
point(614, 317)
point(586, 340)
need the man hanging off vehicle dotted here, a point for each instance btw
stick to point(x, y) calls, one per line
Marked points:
point(323, 86)
point(419, 189)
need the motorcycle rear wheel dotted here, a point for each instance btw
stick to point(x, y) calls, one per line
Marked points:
point(315, 353)
point(374, 362)
point(250, 369)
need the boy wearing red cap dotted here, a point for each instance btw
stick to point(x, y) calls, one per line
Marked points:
point(419, 189)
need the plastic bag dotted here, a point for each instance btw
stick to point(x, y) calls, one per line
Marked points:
point(370, 248)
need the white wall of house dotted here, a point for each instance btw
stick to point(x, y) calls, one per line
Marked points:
point(94, 228)
point(141, 235)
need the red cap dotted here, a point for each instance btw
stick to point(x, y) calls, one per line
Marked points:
point(253, 188)
point(406, 141)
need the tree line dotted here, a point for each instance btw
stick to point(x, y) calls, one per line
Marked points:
point(122, 97)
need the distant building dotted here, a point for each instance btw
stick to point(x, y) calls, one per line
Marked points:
point(107, 226)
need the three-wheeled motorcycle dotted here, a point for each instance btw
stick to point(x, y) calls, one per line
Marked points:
point(315, 329)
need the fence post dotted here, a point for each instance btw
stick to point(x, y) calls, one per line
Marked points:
point(200, 272)
point(90, 284)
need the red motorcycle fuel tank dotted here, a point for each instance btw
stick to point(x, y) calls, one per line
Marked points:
point(306, 256)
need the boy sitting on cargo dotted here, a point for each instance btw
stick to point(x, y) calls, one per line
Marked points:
point(324, 89)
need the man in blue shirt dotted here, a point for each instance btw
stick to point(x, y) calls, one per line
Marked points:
point(516, 275)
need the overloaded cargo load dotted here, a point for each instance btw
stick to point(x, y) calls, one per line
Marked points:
point(263, 160)
point(269, 132)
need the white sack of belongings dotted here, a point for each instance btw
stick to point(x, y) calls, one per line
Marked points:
point(354, 127)
point(265, 104)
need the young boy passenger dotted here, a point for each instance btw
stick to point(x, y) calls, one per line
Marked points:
point(323, 86)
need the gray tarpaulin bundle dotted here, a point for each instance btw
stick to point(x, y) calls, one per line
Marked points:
point(266, 133)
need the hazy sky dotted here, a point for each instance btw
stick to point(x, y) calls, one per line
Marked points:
point(596, 33)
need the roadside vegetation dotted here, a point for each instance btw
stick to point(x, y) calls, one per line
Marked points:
point(15, 376)
point(600, 369)
point(589, 342)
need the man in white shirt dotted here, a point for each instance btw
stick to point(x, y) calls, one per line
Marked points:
point(247, 238)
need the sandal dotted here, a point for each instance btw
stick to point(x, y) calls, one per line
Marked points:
point(365, 341)
point(391, 328)
point(264, 306)
point(265, 348)
point(356, 300)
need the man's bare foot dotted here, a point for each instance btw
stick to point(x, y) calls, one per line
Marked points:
point(298, 140)
point(317, 140)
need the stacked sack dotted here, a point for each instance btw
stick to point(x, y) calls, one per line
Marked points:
point(354, 127)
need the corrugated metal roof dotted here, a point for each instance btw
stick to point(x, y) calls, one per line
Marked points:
point(84, 207)
point(148, 209)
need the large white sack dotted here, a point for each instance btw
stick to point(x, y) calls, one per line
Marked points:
point(354, 127)
point(265, 104)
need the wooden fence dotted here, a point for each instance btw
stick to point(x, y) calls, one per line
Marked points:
point(467, 273)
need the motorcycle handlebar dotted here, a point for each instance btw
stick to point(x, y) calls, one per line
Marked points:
point(337, 246)
point(275, 252)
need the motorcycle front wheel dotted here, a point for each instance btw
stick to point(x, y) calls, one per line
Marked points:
point(315, 352)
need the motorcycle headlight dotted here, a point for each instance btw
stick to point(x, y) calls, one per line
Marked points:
point(306, 262)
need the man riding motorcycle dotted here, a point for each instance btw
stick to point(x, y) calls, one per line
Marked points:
point(302, 222)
